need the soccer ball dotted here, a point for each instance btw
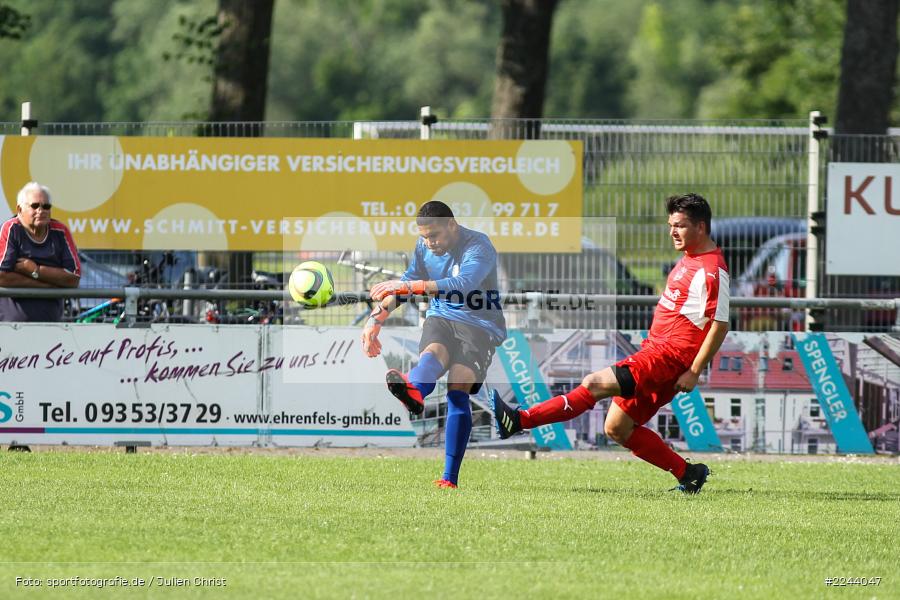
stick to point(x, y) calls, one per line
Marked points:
point(311, 284)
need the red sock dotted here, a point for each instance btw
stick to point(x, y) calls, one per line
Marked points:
point(558, 408)
point(647, 445)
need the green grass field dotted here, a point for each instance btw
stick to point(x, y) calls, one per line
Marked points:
point(311, 526)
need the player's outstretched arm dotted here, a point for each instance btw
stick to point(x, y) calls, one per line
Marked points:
point(369, 338)
point(395, 287)
point(711, 343)
point(380, 313)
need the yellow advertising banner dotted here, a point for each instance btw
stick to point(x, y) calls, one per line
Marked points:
point(132, 193)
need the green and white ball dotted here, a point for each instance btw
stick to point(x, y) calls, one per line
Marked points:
point(311, 284)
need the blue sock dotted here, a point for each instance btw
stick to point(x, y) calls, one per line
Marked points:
point(459, 426)
point(425, 374)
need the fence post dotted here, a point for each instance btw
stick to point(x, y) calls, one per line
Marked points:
point(187, 306)
point(27, 122)
point(131, 305)
point(897, 314)
point(533, 302)
point(816, 120)
point(428, 120)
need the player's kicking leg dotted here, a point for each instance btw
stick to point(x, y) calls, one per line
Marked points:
point(597, 385)
point(649, 447)
point(412, 389)
point(620, 427)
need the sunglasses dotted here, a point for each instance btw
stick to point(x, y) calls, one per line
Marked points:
point(37, 205)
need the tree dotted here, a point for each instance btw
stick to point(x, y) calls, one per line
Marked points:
point(868, 67)
point(239, 86)
point(522, 63)
point(242, 63)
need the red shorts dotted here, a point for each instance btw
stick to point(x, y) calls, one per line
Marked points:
point(655, 374)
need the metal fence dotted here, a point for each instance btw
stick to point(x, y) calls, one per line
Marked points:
point(755, 174)
point(855, 148)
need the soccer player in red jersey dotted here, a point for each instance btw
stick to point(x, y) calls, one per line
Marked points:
point(689, 325)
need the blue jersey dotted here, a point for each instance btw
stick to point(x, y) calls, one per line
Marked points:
point(466, 278)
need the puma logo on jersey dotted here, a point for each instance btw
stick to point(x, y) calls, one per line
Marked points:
point(566, 405)
point(713, 275)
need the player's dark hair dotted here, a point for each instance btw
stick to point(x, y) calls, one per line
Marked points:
point(433, 212)
point(693, 205)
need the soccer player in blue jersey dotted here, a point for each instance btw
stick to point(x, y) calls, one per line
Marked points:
point(457, 268)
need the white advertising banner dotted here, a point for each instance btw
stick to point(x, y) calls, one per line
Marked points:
point(863, 232)
point(328, 391)
point(191, 385)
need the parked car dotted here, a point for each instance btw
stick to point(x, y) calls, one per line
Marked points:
point(778, 269)
point(741, 237)
point(594, 270)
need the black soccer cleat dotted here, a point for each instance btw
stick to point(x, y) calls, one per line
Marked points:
point(506, 418)
point(404, 391)
point(694, 477)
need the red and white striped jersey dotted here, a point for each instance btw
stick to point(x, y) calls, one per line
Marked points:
point(697, 293)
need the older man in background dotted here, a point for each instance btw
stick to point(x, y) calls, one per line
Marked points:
point(36, 251)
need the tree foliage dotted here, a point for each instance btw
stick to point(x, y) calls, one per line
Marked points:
point(778, 58)
point(61, 62)
point(13, 24)
point(383, 59)
point(671, 57)
point(196, 41)
point(589, 65)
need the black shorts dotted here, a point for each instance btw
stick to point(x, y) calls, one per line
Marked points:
point(626, 380)
point(468, 345)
